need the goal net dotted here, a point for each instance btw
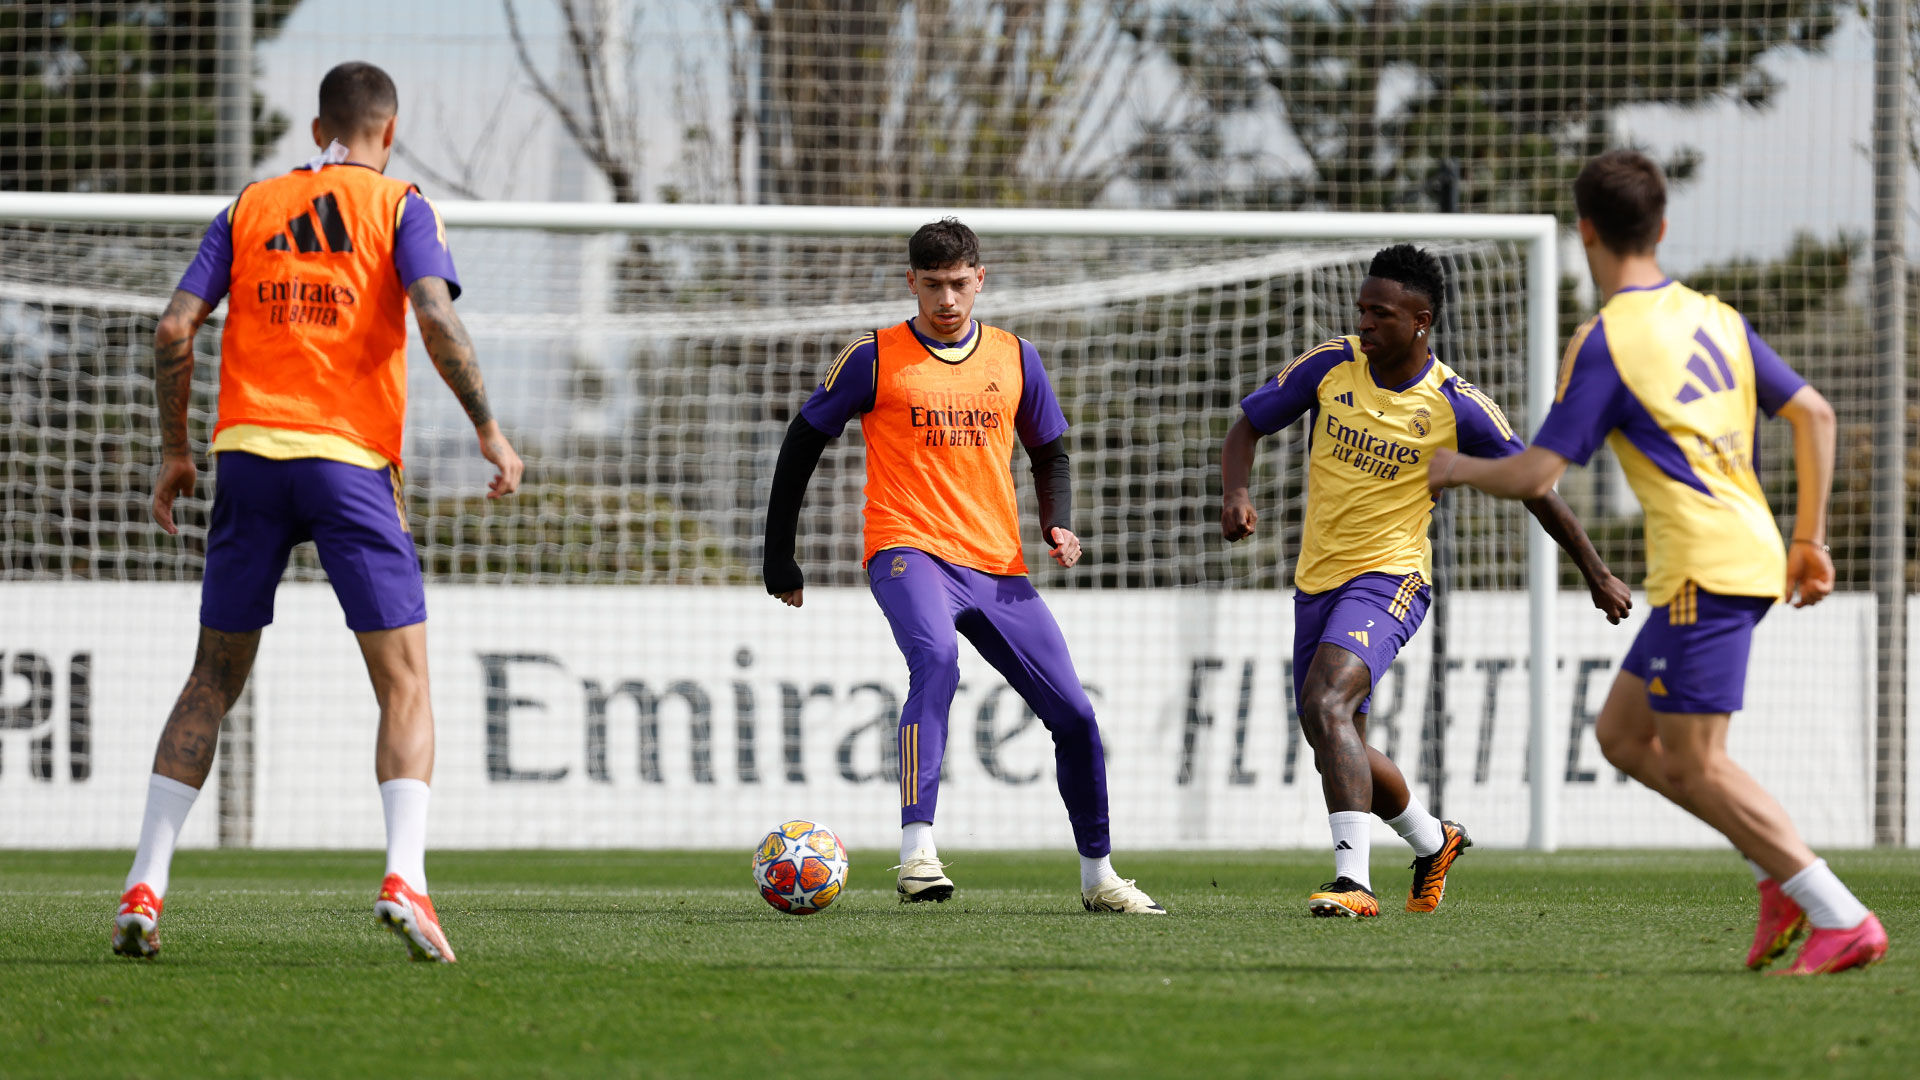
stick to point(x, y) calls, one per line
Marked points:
point(608, 670)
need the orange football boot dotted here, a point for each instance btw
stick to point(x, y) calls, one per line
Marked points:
point(1430, 871)
point(411, 917)
point(1343, 898)
point(136, 930)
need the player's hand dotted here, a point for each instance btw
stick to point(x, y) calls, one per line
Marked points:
point(1612, 596)
point(1440, 470)
point(178, 476)
point(783, 579)
point(1066, 547)
point(495, 448)
point(1237, 517)
point(1809, 573)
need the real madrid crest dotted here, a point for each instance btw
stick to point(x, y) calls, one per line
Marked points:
point(899, 565)
point(1422, 422)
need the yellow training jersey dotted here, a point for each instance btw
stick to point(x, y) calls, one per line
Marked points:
point(1673, 381)
point(1367, 502)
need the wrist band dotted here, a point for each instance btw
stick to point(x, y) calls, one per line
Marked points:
point(1815, 543)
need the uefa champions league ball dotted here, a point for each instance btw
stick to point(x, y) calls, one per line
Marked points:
point(800, 867)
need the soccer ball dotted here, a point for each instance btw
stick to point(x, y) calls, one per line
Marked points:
point(800, 867)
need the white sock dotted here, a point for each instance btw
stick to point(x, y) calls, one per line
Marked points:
point(1829, 904)
point(1759, 875)
point(405, 803)
point(168, 801)
point(1095, 871)
point(1418, 828)
point(915, 835)
point(1352, 845)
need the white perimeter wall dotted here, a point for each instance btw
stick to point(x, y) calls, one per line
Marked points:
point(1202, 750)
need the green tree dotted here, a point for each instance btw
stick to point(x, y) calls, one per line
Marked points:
point(1513, 95)
point(119, 97)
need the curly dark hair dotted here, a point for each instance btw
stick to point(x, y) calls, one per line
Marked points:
point(943, 243)
point(1414, 268)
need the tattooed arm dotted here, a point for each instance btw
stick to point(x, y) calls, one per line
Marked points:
point(173, 387)
point(452, 352)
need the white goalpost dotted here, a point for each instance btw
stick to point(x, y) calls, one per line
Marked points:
point(608, 671)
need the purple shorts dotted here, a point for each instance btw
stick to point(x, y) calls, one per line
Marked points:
point(1693, 651)
point(1371, 616)
point(262, 507)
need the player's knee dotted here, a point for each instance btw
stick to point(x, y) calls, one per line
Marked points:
point(405, 696)
point(1322, 711)
point(1681, 778)
point(214, 687)
point(1621, 749)
point(221, 664)
point(934, 663)
point(1072, 719)
point(1688, 773)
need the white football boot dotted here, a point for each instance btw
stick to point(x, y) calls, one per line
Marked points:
point(1115, 893)
point(921, 879)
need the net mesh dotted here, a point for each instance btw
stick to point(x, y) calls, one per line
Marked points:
point(648, 380)
point(648, 383)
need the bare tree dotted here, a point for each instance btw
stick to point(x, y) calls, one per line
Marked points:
point(603, 111)
point(861, 101)
point(490, 151)
point(932, 100)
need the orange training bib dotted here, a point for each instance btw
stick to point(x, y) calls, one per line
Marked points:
point(316, 335)
point(940, 441)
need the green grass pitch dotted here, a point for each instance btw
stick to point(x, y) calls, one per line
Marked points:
point(662, 964)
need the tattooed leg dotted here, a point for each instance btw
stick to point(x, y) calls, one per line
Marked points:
point(220, 668)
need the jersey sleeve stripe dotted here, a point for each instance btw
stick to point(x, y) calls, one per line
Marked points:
point(1486, 404)
point(841, 360)
point(1573, 350)
point(1306, 356)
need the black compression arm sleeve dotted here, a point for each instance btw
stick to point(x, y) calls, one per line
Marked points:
point(1053, 482)
point(799, 453)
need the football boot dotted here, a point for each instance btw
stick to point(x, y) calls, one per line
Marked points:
point(1430, 871)
point(136, 930)
point(411, 917)
point(1828, 951)
point(922, 878)
point(1115, 893)
point(1781, 923)
point(1343, 898)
